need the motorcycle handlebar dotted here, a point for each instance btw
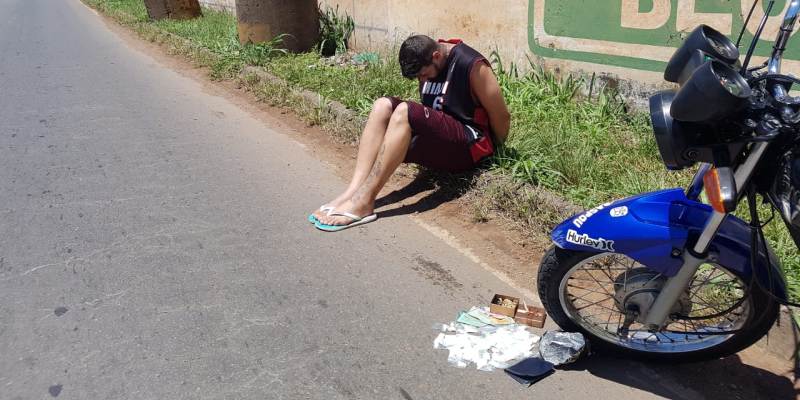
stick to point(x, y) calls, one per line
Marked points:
point(785, 33)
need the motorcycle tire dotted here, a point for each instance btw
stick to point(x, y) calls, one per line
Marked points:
point(558, 262)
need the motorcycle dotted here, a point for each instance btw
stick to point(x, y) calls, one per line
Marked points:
point(666, 276)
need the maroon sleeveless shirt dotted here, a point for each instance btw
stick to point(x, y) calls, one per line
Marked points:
point(451, 93)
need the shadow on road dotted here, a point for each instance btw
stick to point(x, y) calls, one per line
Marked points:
point(443, 187)
point(726, 378)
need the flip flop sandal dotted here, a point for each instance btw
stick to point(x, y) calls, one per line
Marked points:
point(324, 208)
point(356, 221)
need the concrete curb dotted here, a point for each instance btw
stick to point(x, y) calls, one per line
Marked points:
point(342, 121)
point(782, 341)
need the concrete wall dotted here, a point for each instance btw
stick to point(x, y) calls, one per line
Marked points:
point(626, 42)
point(484, 24)
point(627, 39)
point(229, 5)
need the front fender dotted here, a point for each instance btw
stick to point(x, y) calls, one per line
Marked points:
point(653, 229)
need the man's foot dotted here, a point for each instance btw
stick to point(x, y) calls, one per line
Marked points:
point(355, 220)
point(360, 210)
point(326, 208)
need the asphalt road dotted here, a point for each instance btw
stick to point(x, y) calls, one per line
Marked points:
point(153, 245)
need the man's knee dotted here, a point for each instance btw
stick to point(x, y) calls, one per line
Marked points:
point(400, 114)
point(382, 107)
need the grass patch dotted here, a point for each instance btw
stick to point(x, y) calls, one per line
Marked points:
point(216, 32)
point(124, 11)
point(356, 87)
point(563, 150)
point(590, 151)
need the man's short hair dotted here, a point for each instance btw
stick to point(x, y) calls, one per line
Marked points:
point(416, 53)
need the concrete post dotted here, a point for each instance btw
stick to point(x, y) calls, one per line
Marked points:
point(263, 20)
point(173, 9)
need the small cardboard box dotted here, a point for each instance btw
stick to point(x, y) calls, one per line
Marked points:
point(533, 316)
point(496, 308)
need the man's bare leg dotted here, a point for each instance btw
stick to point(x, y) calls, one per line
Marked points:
point(368, 147)
point(392, 152)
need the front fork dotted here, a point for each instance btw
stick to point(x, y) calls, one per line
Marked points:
point(658, 315)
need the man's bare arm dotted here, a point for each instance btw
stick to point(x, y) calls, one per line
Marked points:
point(487, 90)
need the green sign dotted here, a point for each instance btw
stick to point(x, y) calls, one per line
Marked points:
point(643, 34)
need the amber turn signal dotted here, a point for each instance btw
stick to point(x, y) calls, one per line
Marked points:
point(720, 187)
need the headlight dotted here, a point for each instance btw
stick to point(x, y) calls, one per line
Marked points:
point(673, 137)
point(712, 92)
point(682, 143)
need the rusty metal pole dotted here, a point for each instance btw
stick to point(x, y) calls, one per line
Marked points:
point(263, 20)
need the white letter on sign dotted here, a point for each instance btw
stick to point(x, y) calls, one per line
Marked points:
point(688, 19)
point(773, 25)
point(656, 18)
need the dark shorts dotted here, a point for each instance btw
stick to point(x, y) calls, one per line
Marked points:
point(438, 141)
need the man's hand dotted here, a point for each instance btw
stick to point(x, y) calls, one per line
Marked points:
point(487, 91)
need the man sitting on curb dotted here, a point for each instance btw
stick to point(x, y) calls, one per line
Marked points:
point(461, 116)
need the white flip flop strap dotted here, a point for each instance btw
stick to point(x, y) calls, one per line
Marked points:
point(326, 209)
point(354, 217)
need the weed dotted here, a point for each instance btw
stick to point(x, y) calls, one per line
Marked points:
point(334, 31)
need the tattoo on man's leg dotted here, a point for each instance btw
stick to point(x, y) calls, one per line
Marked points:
point(373, 175)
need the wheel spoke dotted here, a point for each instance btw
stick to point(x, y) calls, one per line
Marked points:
point(590, 291)
point(668, 338)
point(601, 286)
point(596, 304)
point(582, 280)
point(593, 290)
point(694, 329)
point(702, 284)
point(707, 305)
point(610, 314)
point(584, 296)
point(608, 321)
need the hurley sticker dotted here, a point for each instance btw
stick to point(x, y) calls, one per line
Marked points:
point(585, 240)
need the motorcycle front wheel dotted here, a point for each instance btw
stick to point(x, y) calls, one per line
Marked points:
point(600, 294)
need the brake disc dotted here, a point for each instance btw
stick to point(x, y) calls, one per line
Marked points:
point(636, 290)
